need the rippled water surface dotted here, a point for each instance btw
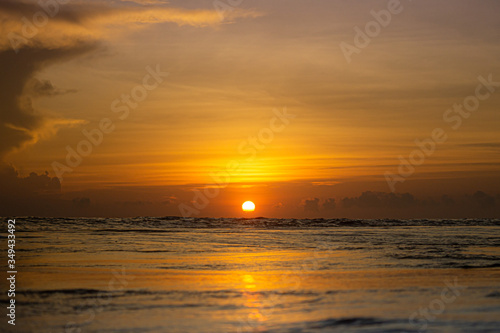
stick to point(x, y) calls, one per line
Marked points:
point(256, 275)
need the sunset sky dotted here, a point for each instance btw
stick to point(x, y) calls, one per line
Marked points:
point(264, 85)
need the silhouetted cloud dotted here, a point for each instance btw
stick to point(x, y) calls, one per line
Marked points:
point(479, 204)
point(311, 205)
point(329, 204)
point(447, 200)
point(31, 195)
point(483, 200)
point(12, 184)
point(371, 199)
point(20, 123)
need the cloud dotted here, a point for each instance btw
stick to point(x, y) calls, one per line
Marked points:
point(169, 201)
point(329, 204)
point(31, 195)
point(278, 205)
point(36, 87)
point(28, 23)
point(371, 199)
point(12, 184)
point(447, 200)
point(369, 204)
point(35, 36)
point(311, 205)
point(20, 124)
point(482, 200)
point(482, 145)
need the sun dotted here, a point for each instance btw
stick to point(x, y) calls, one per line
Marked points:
point(248, 206)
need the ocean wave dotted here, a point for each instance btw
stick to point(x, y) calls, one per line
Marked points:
point(172, 223)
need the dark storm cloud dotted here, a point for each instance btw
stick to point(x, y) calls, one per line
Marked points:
point(19, 122)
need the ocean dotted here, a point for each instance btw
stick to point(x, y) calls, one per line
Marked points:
point(169, 274)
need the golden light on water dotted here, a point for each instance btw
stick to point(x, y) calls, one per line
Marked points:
point(248, 206)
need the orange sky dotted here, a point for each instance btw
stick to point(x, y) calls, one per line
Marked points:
point(232, 73)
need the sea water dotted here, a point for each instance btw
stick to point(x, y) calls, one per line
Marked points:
point(255, 275)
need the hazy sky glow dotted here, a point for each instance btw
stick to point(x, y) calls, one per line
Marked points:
point(231, 73)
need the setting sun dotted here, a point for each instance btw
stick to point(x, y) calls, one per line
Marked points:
point(248, 206)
